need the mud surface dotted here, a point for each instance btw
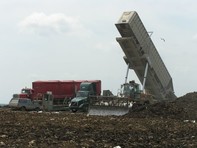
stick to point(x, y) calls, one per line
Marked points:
point(165, 124)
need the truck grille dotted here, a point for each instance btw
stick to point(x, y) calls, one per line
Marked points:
point(73, 103)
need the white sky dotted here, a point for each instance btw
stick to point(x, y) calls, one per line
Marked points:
point(75, 40)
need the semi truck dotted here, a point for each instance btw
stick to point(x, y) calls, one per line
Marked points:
point(87, 89)
point(62, 92)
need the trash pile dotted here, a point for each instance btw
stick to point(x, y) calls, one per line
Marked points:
point(184, 107)
point(165, 124)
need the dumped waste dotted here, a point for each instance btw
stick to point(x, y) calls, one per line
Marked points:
point(184, 107)
point(165, 124)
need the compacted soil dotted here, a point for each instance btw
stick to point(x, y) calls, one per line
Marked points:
point(165, 124)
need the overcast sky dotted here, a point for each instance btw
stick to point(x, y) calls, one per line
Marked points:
point(76, 40)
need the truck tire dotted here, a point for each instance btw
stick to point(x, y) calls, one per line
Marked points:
point(85, 109)
point(74, 110)
point(37, 109)
point(23, 108)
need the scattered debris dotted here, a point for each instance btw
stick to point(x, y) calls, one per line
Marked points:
point(2, 143)
point(166, 124)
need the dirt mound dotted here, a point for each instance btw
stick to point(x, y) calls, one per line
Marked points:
point(189, 103)
point(165, 124)
point(65, 129)
point(184, 107)
point(161, 109)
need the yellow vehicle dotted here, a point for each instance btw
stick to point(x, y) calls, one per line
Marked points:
point(141, 56)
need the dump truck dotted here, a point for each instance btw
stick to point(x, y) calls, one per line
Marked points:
point(141, 56)
point(62, 91)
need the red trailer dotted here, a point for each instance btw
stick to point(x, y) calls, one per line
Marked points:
point(61, 90)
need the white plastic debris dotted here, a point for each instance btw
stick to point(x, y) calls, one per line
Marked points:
point(117, 146)
point(192, 121)
point(3, 136)
point(55, 112)
point(2, 143)
point(186, 121)
point(31, 143)
point(130, 104)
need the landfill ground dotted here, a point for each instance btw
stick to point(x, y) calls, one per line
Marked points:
point(165, 124)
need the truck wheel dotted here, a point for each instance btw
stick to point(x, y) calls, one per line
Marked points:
point(23, 108)
point(74, 110)
point(37, 109)
point(85, 109)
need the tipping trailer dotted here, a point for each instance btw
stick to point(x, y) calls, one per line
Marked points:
point(142, 56)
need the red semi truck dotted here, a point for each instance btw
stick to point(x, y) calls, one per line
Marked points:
point(62, 91)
